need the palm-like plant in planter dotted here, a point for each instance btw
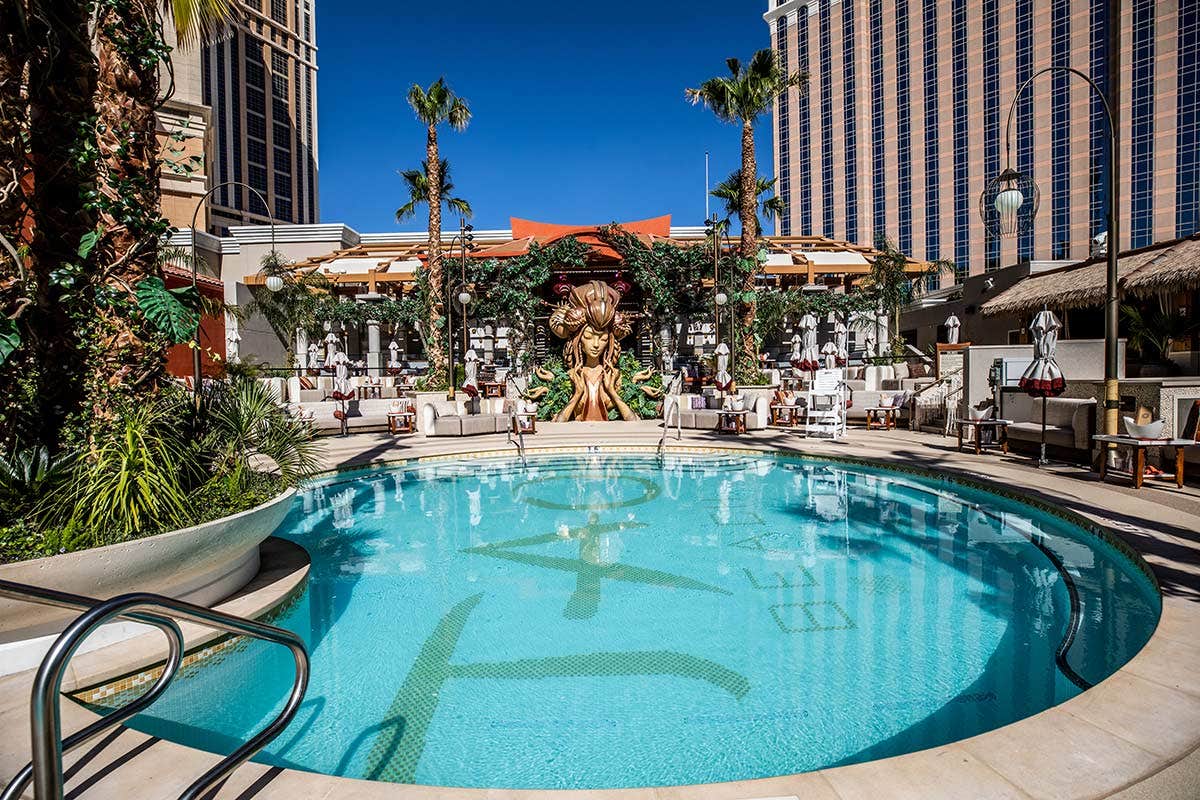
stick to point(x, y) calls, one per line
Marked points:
point(1153, 332)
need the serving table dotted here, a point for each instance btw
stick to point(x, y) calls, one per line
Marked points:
point(1000, 426)
point(1139, 447)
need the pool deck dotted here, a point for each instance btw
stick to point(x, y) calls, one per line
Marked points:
point(1135, 735)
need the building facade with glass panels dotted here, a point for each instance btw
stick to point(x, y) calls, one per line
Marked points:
point(261, 83)
point(903, 119)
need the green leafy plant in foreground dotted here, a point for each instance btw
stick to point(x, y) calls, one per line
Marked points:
point(158, 466)
point(174, 312)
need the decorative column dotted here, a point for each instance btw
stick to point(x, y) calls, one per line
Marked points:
point(374, 355)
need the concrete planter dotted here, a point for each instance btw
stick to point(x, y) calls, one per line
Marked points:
point(202, 564)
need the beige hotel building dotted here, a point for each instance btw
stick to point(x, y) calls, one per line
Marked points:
point(902, 122)
point(243, 109)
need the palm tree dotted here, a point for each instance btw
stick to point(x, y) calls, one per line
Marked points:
point(730, 191)
point(131, 45)
point(47, 83)
point(433, 106)
point(417, 181)
point(741, 98)
point(895, 283)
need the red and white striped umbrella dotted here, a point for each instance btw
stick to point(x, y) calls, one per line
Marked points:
point(1044, 378)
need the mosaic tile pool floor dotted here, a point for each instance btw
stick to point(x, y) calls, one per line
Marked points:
point(609, 621)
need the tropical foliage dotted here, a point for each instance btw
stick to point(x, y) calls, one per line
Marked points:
point(85, 323)
point(515, 285)
point(417, 182)
point(159, 465)
point(729, 191)
point(894, 283)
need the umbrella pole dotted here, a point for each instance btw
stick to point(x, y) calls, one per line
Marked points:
point(1043, 460)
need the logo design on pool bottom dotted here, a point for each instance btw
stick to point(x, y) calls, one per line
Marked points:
point(589, 571)
point(650, 490)
point(401, 740)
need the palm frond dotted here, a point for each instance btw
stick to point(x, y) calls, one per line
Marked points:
point(199, 22)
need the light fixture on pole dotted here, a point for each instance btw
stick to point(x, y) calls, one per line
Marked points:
point(200, 204)
point(712, 229)
point(1010, 202)
point(466, 240)
point(274, 283)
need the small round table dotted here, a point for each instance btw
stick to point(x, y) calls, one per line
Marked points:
point(401, 421)
point(885, 416)
point(732, 421)
point(1000, 426)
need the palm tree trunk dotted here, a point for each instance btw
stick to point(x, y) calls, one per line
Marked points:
point(748, 247)
point(54, 213)
point(435, 351)
point(129, 354)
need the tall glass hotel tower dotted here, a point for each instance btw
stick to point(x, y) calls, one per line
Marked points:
point(902, 122)
point(261, 82)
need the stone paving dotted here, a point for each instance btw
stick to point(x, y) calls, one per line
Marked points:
point(1133, 736)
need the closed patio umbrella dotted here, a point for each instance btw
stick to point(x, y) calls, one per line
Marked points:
point(952, 326)
point(722, 380)
point(331, 346)
point(830, 351)
point(1044, 378)
point(810, 356)
point(841, 338)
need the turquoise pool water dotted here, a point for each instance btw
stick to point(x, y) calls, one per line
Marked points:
point(610, 621)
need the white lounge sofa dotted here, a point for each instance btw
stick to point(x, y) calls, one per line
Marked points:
point(1070, 422)
point(707, 417)
point(451, 417)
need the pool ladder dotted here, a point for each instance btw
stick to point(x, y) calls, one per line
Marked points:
point(45, 769)
point(519, 440)
point(673, 391)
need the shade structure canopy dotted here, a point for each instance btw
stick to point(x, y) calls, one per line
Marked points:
point(1164, 267)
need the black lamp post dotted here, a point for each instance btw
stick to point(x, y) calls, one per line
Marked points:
point(466, 239)
point(274, 281)
point(717, 229)
point(1010, 201)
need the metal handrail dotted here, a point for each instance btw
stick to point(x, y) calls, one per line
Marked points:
point(941, 380)
point(674, 389)
point(515, 425)
point(48, 745)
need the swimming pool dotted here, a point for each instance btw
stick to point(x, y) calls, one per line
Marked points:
point(604, 620)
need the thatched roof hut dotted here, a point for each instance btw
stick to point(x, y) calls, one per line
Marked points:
point(1164, 267)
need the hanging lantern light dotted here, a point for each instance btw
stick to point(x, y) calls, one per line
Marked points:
point(620, 284)
point(274, 283)
point(562, 287)
point(1009, 203)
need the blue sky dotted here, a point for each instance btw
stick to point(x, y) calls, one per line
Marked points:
point(579, 112)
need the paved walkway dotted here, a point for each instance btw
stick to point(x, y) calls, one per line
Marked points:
point(1133, 736)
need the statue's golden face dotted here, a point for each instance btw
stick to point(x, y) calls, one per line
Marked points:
point(593, 343)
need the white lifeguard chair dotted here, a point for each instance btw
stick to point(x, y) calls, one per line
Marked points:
point(826, 404)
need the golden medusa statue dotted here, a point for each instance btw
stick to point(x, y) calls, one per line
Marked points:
point(593, 327)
